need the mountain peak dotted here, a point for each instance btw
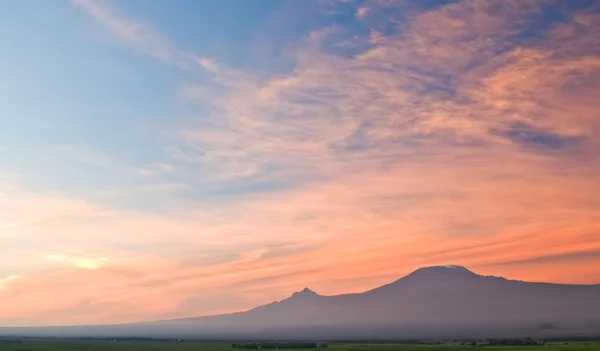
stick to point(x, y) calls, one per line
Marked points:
point(448, 266)
point(446, 270)
point(304, 293)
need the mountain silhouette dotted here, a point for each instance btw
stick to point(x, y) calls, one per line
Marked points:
point(439, 301)
point(430, 296)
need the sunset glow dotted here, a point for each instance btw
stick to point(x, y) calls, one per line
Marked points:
point(174, 159)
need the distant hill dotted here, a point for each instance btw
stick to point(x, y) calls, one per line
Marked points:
point(440, 301)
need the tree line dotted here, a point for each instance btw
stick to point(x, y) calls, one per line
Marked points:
point(279, 345)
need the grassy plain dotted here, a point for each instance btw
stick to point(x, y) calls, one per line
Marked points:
point(100, 345)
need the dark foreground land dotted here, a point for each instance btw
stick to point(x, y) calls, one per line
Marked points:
point(91, 345)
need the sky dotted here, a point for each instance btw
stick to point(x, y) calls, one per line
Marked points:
point(163, 159)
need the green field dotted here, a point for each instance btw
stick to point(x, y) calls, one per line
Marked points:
point(91, 345)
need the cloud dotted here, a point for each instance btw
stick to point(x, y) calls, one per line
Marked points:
point(4, 281)
point(141, 36)
point(77, 259)
point(133, 32)
point(362, 12)
point(572, 256)
point(446, 76)
point(428, 131)
point(530, 137)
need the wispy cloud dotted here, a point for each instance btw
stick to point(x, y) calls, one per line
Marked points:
point(362, 12)
point(4, 281)
point(77, 259)
point(449, 125)
point(433, 81)
point(142, 36)
point(134, 32)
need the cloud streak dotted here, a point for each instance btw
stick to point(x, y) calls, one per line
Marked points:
point(142, 36)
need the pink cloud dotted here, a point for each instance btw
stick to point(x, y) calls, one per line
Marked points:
point(362, 12)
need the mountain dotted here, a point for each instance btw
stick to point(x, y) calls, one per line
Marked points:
point(430, 295)
point(439, 301)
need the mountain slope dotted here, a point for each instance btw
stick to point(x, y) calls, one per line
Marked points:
point(431, 302)
point(433, 295)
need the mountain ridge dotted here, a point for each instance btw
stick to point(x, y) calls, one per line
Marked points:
point(465, 272)
point(431, 302)
point(424, 282)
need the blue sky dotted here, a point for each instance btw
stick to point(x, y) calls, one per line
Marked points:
point(81, 96)
point(179, 158)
